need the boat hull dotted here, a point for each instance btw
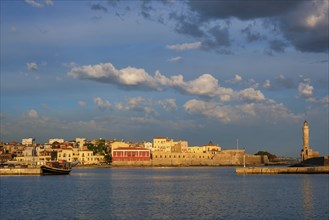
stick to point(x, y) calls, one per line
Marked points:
point(46, 170)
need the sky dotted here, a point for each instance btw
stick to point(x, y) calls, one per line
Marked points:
point(241, 73)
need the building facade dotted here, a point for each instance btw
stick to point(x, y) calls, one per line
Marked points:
point(131, 154)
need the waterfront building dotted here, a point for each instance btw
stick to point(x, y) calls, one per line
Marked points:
point(208, 148)
point(28, 141)
point(131, 154)
point(148, 145)
point(59, 140)
point(162, 144)
point(212, 148)
point(169, 145)
point(80, 142)
point(306, 151)
point(87, 157)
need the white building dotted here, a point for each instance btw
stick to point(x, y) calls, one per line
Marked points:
point(59, 140)
point(28, 141)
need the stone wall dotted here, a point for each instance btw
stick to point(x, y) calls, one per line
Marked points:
point(224, 158)
point(20, 171)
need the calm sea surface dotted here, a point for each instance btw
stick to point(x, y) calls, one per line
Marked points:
point(164, 193)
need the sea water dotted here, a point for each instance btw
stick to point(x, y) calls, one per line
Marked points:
point(164, 193)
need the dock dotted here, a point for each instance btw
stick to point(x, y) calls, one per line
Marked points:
point(20, 171)
point(283, 170)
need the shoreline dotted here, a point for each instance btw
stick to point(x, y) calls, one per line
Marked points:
point(283, 170)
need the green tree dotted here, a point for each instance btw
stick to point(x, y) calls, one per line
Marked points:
point(270, 156)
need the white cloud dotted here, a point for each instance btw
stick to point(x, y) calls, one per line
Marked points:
point(250, 94)
point(237, 79)
point(32, 66)
point(168, 104)
point(205, 85)
point(102, 104)
point(305, 90)
point(49, 2)
point(185, 46)
point(136, 104)
point(107, 73)
point(269, 111)
point(40, 4)
point(175, 59)
point(267, 84)
point(209, 109)
point(32, 114)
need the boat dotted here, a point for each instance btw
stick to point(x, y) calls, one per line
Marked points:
point(60, 167)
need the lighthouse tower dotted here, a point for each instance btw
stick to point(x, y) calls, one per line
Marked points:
point(306, 152)
point(306, 136)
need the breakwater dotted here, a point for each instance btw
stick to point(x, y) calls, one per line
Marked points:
point(283, 170)
point(20, 171)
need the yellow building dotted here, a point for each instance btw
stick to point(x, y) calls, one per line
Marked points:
point(88, 157)
point(169, 145)
point(208, 148)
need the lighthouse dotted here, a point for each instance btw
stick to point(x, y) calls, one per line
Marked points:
point(306, 136)
point(306, 152)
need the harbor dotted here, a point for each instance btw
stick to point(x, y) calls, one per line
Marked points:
point(20, 171)
point(283, 170)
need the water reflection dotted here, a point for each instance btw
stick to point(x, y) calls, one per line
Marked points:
point(176, 193)
point(307, 194)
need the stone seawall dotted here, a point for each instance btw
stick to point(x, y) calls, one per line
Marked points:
point(225, 158)
point(20, 171)
point(283, 170)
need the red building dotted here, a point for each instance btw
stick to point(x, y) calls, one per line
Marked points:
point(131, 154)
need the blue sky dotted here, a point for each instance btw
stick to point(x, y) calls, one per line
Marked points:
point(189, 70)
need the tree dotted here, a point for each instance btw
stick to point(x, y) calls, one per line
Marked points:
point(270, 156)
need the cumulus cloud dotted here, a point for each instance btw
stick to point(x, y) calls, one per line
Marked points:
point(206, 85)
point(39, 4)
point(267, 111)
point(237, 78)
point(136, 104)
point(209, 109)
point(280, 82)
point(168, 104)
point(102, 104)
point(107, 73)
point(305, 90)
point(250, 94)
point(185, 46)
point(32, 66)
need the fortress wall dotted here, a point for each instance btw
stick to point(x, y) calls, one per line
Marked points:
point(20, 171)
point(228, 158)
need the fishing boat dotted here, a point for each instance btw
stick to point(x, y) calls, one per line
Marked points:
point(60, 167)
